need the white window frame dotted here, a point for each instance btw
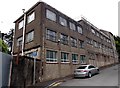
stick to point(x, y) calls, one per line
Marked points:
point(20, 24)
point(75, 60)
point(80, 30)
point(51, 15)
point(63, 21)
point(31, 17)
point(51, 56)
point(30, 36)
point(73, 42)
point(72, 26)
point(82, 59)
point(81, 44)
point(19, 41)
point(64, 60)
point(93, 31)
point(64, 39)
point(51, 35)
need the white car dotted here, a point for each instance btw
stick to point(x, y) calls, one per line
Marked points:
point(86, 71)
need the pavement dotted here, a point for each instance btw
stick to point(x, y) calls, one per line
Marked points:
point(56, 82)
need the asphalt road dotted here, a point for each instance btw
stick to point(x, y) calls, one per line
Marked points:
point(107, 77)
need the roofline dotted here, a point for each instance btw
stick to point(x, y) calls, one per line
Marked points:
point(99, 30)
point(29, 10)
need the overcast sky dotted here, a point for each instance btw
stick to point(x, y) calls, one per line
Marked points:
point(102, 13)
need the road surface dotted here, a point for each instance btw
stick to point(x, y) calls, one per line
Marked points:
point(107, 77)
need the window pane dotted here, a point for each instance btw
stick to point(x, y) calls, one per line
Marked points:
point(93, 31)
point(79, 29)
point(64, 57)
point(82, 59)
point(50, 35)
point(63, 21)
point(64, 39)
point(50, 15)
point(73, 42)
point(30, 36)
point(72, 26)
point(51, 56)
point(74, 58)
point(20, 25)
point(81, 44)
point(31, 17)
point(19, 41)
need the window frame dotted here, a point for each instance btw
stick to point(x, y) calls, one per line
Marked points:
point(82, 59)
point(75, 61)
point(64, 39)
point(51, 59)
point(50, 36)
point(30, 36)
point(31, 17)
point(62, 21)
point(72, 26)
point(73, 42)
point(19, 43)
point(66, 59)
point(81, 44)
point(21, 24)
point(49, 16)
point(79, 29)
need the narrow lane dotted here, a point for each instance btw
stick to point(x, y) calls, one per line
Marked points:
point(107, 77)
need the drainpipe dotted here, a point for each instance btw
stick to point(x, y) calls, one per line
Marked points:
point(34, 71)
point(24, 23)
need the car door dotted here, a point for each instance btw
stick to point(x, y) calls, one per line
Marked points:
point(91, 69)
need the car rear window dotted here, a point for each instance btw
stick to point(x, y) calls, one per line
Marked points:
point(81, 67)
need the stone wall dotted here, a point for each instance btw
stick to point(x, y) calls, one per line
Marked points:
point(23, 71)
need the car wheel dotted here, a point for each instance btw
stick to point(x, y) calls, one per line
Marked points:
point(89, 75)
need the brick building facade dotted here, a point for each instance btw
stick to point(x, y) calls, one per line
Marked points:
point(60, 42)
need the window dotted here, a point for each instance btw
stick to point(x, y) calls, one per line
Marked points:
point(81, 44)
point(72, 26)
point(95, 43)
point(89, 41)
point(82, 59)
point(62, 21)
point(64, 39)
point(73, 42)
point(93, 31)
point(19, 41)
point(20, 25)
point(31, 17)
point(29, 36)
point(101, 36)
point(50, 35)
point(64, 57)
point(91, 67)
point(80, 30)
point(82, 67)
point(51, 56)
point(74, 58)
point(97, 34)
point(50, 15)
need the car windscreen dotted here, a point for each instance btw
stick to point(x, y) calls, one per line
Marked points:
point(82, 67)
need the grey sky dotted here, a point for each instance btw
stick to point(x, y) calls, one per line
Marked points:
point(101, 13)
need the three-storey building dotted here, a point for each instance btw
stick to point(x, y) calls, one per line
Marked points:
point(61, 43)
